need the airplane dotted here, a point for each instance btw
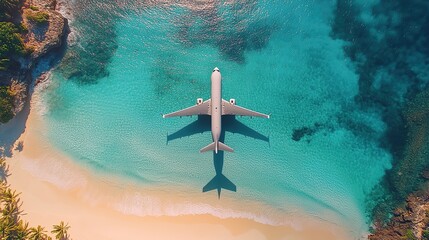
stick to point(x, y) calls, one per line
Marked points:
point(216, 107)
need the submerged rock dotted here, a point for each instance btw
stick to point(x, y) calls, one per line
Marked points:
point(408, 175)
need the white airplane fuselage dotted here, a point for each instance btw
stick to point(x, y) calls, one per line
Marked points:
point(216, 106)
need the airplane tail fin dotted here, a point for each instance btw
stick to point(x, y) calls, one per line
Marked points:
point(219, 182)
point(216, 147)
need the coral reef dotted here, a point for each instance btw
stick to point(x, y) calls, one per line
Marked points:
point(411, 173)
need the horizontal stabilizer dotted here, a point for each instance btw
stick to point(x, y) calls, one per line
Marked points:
point(224, 147)
point(220, 147)
point(210, 147)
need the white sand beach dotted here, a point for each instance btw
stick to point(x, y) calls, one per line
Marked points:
point(54, 188)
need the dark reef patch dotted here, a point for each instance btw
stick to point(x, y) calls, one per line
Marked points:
point(87, 59)
point(407, 174)
point(233, 36)
point(167, 74)
point(306, 132)
point(204, 23)
point(390, 52)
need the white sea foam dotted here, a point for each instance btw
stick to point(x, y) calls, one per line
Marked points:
point(38, 100)
point(65, 8)
point(55, 172)
point(72, 38)
point(143, 205)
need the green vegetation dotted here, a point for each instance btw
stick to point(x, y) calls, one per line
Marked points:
point(409, 235)
point(60, 231)
point(6, 104)
point(11, 44)
point(11, 224)
point(39, 233)
point(22, 28)
point(38, 17)
point(9, 8)
point(425, 235)
point(34, 8)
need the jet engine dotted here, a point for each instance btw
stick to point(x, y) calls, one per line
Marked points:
point(232, 101)
point(199, 101)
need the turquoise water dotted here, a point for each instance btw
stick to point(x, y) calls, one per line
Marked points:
point(275, 57)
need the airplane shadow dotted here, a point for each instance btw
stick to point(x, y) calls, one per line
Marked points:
point(229, 124)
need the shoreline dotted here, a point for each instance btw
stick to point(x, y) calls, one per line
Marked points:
point(61, 190)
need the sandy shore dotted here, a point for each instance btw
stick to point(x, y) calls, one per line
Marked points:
point(54, 188)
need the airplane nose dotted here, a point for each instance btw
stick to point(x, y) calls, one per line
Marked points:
point(216, 69)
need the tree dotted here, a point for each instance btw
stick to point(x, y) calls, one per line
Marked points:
point(425, 234)
point(4, 171)
point(9, 196)
point(38, 233)
point(11, 227)
point(14, 228)
point(6, 227)
point(21, 230)
point(10, 40)
point(6, 105)
point(11, 44)
point(60, 231)
point(11, 202)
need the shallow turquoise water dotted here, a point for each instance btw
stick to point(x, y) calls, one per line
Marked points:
point(276, 58)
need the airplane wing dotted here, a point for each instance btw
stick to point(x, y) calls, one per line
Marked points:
point(232, 109)
point(199, 109)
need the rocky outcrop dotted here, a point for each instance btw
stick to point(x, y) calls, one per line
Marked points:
point(411, 221)
point(19, 91)
point(41, 39)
